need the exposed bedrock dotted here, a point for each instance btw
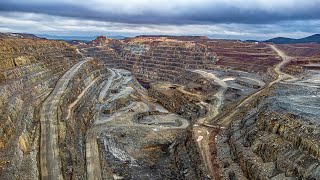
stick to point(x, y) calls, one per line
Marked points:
point(29, 70)
point(164, 58)
point(77, 110)
point(136, 138)
point(164, 154)
point(178, 100)
point(194, 81)
point(278, 138)
point(162, 61)
point(211, 110)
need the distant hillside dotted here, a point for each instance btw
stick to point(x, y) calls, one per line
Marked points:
point(282, 40)
point(18, 35)
point(175, 37)
point(181, 38)
point(79, 38)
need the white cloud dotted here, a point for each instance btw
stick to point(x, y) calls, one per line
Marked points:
point(131, 6)
point(55, 25)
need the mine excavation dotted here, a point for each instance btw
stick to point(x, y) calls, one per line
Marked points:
point(158, 107)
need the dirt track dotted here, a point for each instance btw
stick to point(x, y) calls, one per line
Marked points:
point(49, 152)
point(119, 81)
point(202, 129)
point(225, 121)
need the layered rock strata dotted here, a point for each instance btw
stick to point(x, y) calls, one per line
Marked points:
point(30, 69)
point(68, 117)
point(213, 109)
point(136, 138)
point(162, 61)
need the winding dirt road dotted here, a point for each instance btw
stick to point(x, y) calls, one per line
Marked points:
point(92, 152)
point(202, 129)
point(102, 123)
point(285, 60)
point(203, 133)
point(49, 152)
point(214, 110)
point(105, 89)
point(225, 121)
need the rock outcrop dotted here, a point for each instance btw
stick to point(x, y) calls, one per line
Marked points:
point(155, 60)
point(30, 68)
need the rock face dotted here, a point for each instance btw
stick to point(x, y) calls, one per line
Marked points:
point(135, 137)
point(155, 60)
point(178, 100)
point(29, 70)
point(210, 109)
point(103, 41)
point(58, 113)
point(278, 138)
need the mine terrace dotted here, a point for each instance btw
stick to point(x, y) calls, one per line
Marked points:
point(158, 107)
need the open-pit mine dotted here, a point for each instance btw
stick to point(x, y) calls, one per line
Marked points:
point(158, 107)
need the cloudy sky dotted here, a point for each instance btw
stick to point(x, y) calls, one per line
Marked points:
point(243, 19)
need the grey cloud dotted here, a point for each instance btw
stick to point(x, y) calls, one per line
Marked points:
point(174, 12)
point(243, 19)
point(56, 25)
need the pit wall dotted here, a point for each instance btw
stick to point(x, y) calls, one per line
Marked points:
point(187, 157)
point(29, 69)
point(163, 61)
point(263, 144)
point(76, 119)
point(177, 102)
